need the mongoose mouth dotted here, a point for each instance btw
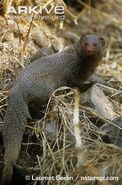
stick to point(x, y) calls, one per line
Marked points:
point(89, 50)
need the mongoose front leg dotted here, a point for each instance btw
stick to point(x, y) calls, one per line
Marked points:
point(80, 85)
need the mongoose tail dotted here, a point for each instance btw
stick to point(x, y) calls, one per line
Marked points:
point(15, 118)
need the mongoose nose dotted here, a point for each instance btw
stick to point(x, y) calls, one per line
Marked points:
point(90, 50)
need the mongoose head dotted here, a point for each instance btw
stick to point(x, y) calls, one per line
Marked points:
point(92, 46)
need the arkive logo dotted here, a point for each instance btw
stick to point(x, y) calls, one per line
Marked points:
point(57, 10)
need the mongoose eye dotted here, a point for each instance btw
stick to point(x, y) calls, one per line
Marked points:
point(94, 44)
point(102, 41)
point(86, 44)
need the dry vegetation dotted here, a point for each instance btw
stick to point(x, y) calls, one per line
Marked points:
point(48, 147)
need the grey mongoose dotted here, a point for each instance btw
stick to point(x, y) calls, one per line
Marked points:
point(70, 67)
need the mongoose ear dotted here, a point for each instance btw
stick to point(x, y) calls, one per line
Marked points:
point(82, 36)
point(102, 41)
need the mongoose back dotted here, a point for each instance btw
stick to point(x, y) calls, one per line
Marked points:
point(71, 67)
